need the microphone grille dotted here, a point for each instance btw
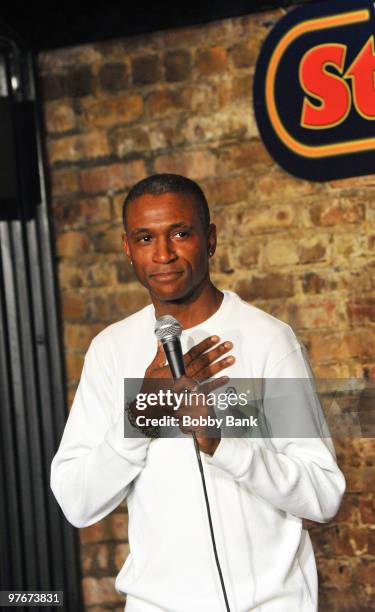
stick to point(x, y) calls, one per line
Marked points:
point(167, 327)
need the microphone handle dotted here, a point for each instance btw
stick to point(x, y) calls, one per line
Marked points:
point(173, 352)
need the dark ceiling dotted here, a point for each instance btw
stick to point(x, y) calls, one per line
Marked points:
point(41, 25)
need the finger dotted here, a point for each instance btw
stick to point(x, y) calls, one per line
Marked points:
point(200, 348)
point(212, 385)
point(185, 383)
point(206, 359)
point(160, 358)
point(214, 368)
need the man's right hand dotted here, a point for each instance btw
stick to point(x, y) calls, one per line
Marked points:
point(202, 362)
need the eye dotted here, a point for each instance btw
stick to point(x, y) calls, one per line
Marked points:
point(182, 234)
point(144, 239)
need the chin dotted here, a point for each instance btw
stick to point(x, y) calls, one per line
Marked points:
point(169, 294)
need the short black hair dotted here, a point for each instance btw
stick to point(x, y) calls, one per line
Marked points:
point(157, 184)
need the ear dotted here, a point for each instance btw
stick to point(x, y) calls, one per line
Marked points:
point(211, 239)
point(125, 245)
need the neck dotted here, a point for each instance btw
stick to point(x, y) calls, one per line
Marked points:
point(194, 309)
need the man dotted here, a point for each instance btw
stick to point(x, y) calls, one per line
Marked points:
point(259, 488)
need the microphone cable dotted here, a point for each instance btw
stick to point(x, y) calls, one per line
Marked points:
point(210, 520)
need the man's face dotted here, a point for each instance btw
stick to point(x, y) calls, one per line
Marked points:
point(168, 245)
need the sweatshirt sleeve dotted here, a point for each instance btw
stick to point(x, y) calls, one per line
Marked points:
point(100, 453)
point(299, 474)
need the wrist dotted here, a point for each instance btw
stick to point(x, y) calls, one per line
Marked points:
point(208, 445)
point(149, 431)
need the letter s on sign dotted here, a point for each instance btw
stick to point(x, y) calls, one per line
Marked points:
point(331, 90)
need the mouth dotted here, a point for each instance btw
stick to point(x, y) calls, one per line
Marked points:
point(165, 276)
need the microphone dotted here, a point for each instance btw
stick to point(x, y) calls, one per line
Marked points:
point(168, 331)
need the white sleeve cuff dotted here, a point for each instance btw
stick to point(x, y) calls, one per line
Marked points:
point(233, 455)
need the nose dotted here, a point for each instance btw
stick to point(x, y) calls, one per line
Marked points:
point(163, 251)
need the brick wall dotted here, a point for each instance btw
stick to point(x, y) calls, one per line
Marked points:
point(180, 101)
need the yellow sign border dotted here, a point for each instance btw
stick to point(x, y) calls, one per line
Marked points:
point(311, 151)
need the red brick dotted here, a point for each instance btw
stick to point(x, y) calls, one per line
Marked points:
point(118, 203)
point(211, 61)
point(251, 220)
point(346, 600)
point(166, 101)
point(359, 480)
point(119, 526)
point(70, 275)
point(69, 57)
point(101, 306)
point(371, 542)
point(348, 511)
point(242, 157)
point(188, 36)
point(74, 148)
point(355, 181)
point(367, 511)
point(345, 345)
point(313, 283)
point(335, 573)
point(100, 591)
point(249, 253)
point(245, 53)
point(93, 210)
point(125, 271)
point(107, 239)
point(177, 65)
point(126, 140)
point(314, 315)
point(279, 252)
point(78, 337)
point(100, 274)
point(113, 528)
point(277, 185)
point(115, 176)
point(229, 125)
point(193, 164)
point(74, 364)
point(361, 310)
point(95, 533)
point(79, 81)
point(364, 572)
point(95, 558)
point(74, 306)
point(52, 86)
point(66, 215)
point(114, 76)
point(121, 553)
point(242, 89)
point(112, 111)
point(71, 391)
point(337, 212)
point(371, 242)
point(59, 116)
point(266, 287)
point(221, 191)
point(72, 244)
point(130, 301)
point(312, 249)
point(64, 181)
point(146, 69)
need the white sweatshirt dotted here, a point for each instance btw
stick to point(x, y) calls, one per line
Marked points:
point(259, 489)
